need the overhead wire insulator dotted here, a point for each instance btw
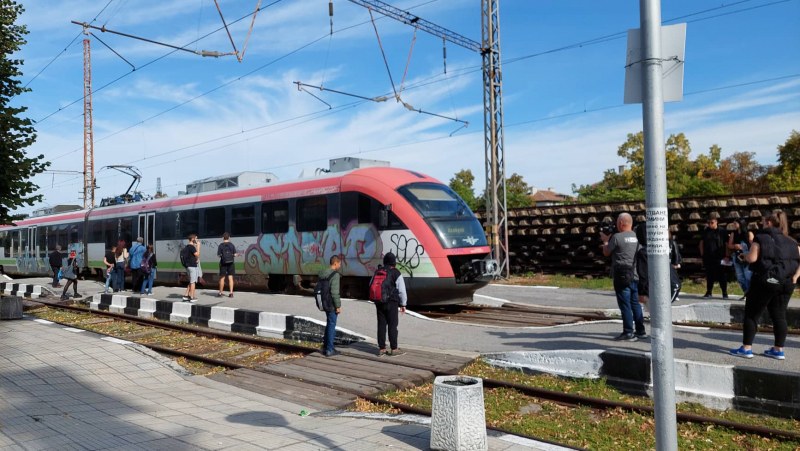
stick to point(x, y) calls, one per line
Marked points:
point(444, 54)
point(330, 13)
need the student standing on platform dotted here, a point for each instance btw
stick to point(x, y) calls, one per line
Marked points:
point(775, 261)
point(148, 268)
point(226, 252)
point(191, 255)
point(120, 257)
point(331, 314)
point(387, 311)
point(55, 261)
point(136, 254)
point(712, 251)
point(108, 260)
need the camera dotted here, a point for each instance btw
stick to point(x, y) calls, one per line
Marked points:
point(608, 228)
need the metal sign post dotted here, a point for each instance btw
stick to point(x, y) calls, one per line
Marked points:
point(655, 164)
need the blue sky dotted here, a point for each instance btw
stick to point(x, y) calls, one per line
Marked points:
point(182, 117)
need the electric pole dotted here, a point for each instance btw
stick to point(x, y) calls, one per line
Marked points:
point(88, 132)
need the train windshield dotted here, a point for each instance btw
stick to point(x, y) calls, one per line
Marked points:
point(446, 213)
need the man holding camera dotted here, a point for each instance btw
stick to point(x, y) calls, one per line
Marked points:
point(622, 246)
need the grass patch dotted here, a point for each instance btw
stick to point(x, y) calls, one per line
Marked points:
point(590, 428)
point(690, 286)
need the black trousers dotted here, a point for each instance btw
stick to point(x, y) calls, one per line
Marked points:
point(55, 274)
point(775, 300)
point(137, 277)
point(74, 283)
point(387, 316)
point(715, 272)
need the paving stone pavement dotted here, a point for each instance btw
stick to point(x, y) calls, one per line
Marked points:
point(69, 390)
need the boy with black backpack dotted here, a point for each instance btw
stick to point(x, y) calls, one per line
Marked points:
point(388, 291)
point(226, 252)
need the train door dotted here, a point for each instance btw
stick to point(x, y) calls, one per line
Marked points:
point(30, 249)
point(147, 228)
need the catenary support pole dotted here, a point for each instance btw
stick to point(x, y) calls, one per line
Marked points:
point(657, 226)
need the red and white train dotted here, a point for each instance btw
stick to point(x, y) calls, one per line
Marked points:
point(285, 233)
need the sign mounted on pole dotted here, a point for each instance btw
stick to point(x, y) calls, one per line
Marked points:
point(673, 49)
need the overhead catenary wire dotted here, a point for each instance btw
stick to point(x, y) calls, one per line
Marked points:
point(65, 48)
point(148, 64)
point(467, 71)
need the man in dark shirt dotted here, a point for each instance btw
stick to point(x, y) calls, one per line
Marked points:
point(193, 254)
point(712, 251)
point(55, 260)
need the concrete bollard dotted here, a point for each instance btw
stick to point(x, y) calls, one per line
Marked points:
point(458, 419)
point(11, 307)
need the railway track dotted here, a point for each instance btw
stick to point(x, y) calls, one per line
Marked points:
point(340, 375)
point(516, 315)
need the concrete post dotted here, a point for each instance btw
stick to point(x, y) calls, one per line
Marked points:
point(11, 307)
point(458, 419)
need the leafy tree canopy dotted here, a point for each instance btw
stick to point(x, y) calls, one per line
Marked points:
point(517, 191)
point(16, 132)
point(786, 176)
point(462, 183)
point(708, 174)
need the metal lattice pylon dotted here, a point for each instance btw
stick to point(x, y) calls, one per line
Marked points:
point(496, 206)
point(88, 133)
point(496, 211)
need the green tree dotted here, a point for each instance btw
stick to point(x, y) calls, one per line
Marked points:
point(517, 192)
point(16, 132)
point(462, 183)
point(786, 175)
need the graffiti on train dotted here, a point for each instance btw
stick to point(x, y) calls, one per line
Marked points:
point(408, 252)
point(361, 245)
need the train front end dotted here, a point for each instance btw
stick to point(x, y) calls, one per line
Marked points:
point(440, 245)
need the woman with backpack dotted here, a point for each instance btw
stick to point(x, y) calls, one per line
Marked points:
point(148, 269)
point(120, 259)
point(774, 259)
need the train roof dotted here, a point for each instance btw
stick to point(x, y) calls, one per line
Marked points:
point(324, 183)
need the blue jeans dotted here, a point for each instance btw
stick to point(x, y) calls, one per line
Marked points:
point(119, 276)
point(330, 332)
point(628, 302)
point(743, 274)
point(109, 276)
point(147, 285)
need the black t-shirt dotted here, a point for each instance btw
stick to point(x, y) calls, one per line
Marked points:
point(191, 259)
point(110, 257)
point(714, 241)
point(55, 258)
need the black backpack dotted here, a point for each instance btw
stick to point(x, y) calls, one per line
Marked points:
point(322, 293)
point(779, 260)
point(228, 252)
point(185, 256)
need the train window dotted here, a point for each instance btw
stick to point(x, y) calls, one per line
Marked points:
point(167, 226)
point(16, 243)
point(188, 222)
point(275, 217)
point(5, 243)
point(243, 221)
point(213, 223)
point(312, 214)
point(110, 232)
point(126, 231)
point(96, 232)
